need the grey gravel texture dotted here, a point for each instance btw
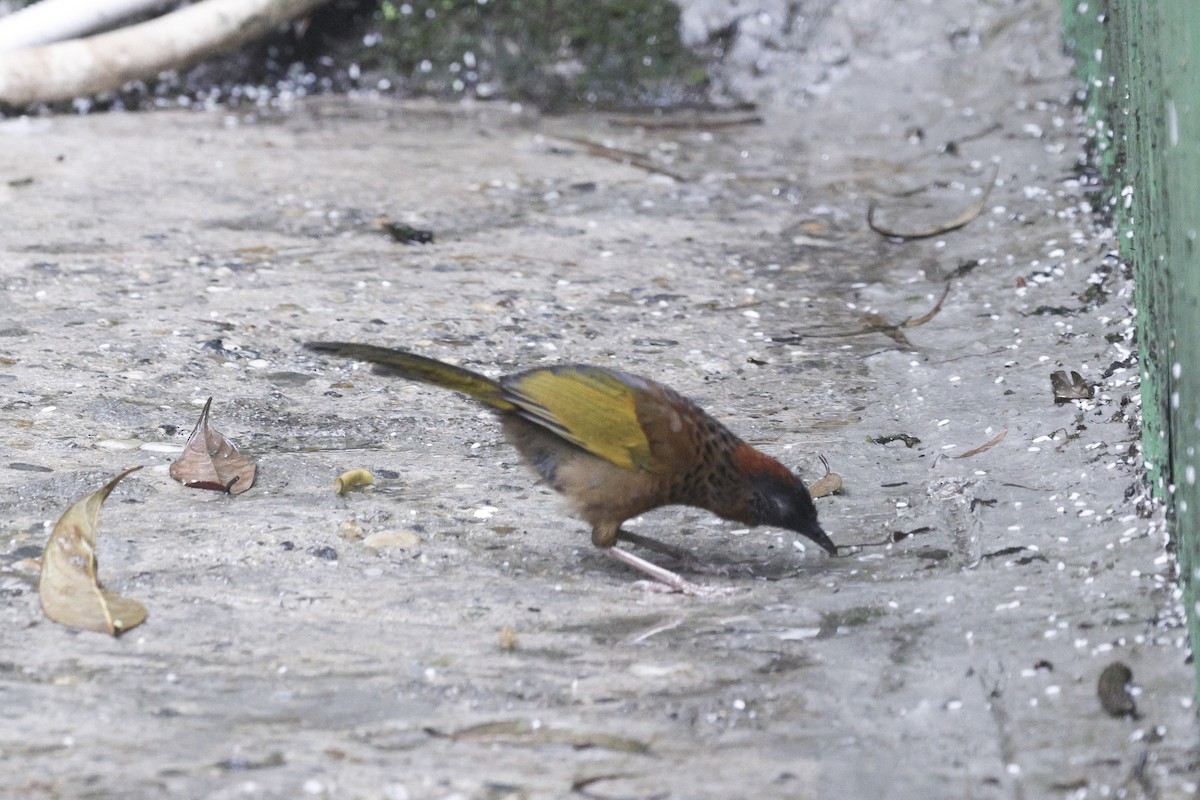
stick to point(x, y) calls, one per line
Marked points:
point(302, 644)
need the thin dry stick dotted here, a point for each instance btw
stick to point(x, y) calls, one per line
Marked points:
point(889, 328)
point(962, 219)
point(689, 123)
point(621, 156)
point(988, 445)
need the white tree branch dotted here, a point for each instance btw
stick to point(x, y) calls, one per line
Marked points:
point(55, 20)
point(107, 61)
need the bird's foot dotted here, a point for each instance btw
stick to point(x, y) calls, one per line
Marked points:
point(664, 579)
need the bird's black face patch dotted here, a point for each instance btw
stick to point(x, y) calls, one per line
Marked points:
point(785, 503)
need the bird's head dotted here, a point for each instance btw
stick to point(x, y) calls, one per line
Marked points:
point(780, 499)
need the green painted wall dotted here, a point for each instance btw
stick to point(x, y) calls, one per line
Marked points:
point(1140, 63)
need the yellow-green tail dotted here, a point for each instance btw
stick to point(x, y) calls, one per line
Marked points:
point(419, 368)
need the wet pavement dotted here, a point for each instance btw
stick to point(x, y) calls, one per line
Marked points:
point(451, 632)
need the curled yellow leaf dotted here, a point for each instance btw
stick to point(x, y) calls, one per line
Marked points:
point(69, 587)
point(353, 479)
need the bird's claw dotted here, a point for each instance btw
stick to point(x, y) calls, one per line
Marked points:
point(664, 579)
point(684, 559)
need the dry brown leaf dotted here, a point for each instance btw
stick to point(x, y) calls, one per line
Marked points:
point(211, 461)
point(1072, 388)
point(827, 484)
point(69, 587)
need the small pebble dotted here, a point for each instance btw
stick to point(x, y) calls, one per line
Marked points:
point(1113, 690)
point(323, 551)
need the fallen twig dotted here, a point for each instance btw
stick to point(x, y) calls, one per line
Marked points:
point(621, 156)
point(873, 323)
point(691, 122)
point(988, 445)
point(962, 219)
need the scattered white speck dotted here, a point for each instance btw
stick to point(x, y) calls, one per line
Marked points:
point(798, 634)
point(118, 444)
point(161, 447)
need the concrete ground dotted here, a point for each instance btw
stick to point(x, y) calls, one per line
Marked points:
point(451, 633)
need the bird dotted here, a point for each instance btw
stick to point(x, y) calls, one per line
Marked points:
point(618, 445)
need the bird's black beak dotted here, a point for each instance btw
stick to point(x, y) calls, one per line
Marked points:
point(819, 536)
point(784, 501)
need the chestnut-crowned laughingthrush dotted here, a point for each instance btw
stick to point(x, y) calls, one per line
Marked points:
point(618, 445)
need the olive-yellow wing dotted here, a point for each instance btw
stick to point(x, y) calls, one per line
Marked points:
point(590, 407)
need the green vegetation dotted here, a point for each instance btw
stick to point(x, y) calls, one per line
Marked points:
point(553, 53)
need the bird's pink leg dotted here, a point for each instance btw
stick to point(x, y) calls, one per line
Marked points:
point(686, 560)
point(667, 579)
